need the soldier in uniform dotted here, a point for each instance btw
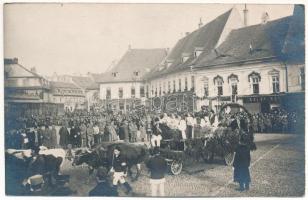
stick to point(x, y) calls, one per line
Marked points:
point(119, 170)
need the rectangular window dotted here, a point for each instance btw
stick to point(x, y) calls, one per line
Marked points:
point(108, 93)
point(234, 89)
point(152, 91)
point(147, 91)
point(121, 105)
point(275, 81)
point(302, 78)
point(206, 89)
point(169, 87)
point(141, 91)
point(192, 83)
point(156, 91)
point(133, 92)
point(173, 85)
point(159, 89)
point(180, 85)
point(120, 93)
point(164, 88)
point(219, 90)
point(255, 85)
point(219, 87)
point(186, 84)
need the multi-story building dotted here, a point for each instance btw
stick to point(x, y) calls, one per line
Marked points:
point(223, 62)
point(68, 94)
point(124, 85)
point(26, 92)
point(90, 88)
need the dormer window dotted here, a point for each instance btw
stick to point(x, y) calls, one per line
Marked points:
point(136, 73)
point(114, 74)
point(185, 57)
point(168, 63)
point(198, 51)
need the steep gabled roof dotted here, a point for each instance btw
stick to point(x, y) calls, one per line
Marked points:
point(249, 43)
point(17, 70)
point(205, 37)
point(134, 60)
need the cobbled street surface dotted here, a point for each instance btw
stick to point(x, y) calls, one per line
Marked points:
point(277, 170)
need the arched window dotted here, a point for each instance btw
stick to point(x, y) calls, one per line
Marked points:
point(254, 78)
point(218, 81)
point(233, 80)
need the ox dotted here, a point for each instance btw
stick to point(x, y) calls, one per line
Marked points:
point(102, 155)
point(46, 163)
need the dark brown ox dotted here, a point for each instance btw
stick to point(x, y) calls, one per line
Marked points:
point(102, 155)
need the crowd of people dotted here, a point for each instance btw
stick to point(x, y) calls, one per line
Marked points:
point(276, 121)
point(86, 129)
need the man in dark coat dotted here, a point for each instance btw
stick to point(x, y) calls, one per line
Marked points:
point(64, 137)
point(241, 164)
point(103, 188)
point(119, 169)
point(158, 167)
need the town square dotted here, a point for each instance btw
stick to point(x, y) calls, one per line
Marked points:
point(154, 100)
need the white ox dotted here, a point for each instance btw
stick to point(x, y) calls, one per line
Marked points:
point(24, 154)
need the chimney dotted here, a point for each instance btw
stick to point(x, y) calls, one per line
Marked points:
point(129, 47)
point(33, 69)
point(200, 23)
point(264, 18)
point(245, 16)
point(10, 61)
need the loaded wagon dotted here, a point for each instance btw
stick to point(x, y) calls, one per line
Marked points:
point(221, 141)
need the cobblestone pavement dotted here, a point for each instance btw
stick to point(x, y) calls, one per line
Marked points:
point(277, 170)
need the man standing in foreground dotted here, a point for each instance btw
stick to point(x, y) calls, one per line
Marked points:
point(119, 170)
point(158, 167)
point(241, 164)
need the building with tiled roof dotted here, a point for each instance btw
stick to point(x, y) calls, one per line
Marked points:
point(201, 41)
point(68, 94)
point(25, 91)
point(247, 65)
point(123, 85)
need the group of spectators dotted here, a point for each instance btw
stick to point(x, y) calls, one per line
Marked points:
point(86, 129)
point(276, 121)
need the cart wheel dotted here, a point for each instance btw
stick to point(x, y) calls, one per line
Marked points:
point(176, 167)
point(229, 157)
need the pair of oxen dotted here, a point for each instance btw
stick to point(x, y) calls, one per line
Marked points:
point(102, 155)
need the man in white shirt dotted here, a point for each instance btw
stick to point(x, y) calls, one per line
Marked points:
point(96, 134)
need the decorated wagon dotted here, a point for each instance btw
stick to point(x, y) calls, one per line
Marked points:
point(234, 121)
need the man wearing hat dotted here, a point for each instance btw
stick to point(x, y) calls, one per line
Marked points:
point(103, 188)
point(158, 167)
point(241, 163)
point(119, 169)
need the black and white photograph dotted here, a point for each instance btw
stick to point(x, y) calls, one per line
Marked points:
point(154, 99)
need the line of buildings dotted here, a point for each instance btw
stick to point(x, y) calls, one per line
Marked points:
point(260, 66)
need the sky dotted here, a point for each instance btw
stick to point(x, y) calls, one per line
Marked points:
point(79, 38)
